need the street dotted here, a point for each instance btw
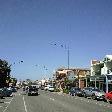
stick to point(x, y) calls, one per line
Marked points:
point(52, 102)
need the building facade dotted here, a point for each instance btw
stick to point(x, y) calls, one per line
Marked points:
point(71, 77)
point(102, 70)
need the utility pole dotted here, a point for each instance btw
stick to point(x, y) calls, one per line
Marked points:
point(68, 53)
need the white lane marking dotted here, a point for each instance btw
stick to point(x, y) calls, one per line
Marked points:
point(52, 99)
point(100, 104)
point(8, 105)
point(24, 104)
point(6, 102)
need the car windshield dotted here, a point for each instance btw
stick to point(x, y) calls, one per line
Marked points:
point(97, 90)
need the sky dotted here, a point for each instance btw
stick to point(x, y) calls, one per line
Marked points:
point(38, 32)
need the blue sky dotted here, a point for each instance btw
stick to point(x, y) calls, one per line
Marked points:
point(30, 28)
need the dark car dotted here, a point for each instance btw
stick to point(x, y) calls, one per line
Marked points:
point(32, 90)
point(13, 89)
point(5, 92)
point(75, 91)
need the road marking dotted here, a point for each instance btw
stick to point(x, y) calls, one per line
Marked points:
point(100, 104)
point(6, 102)
point(52, 99)
point(8, 105)
point(24, 104)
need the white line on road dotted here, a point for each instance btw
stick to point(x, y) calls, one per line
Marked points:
point(52, 99)
point(8, 105)
point(24, 104)
point(6, 102)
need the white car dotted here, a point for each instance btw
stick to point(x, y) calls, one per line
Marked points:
point(51, 88)
point(46, 87)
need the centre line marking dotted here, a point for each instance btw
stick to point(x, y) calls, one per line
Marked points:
point(24, 104)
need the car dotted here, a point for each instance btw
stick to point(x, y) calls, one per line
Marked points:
point(23, 88)
point(94, 93)
point(13, 89)
point(47, 87)
point(108, 97)
point(76, 91)
point(6, 92)
point(32, 90)
point(42, 87)
point(51, 88)
point(98, 94)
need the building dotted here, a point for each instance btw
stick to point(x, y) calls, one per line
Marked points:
point(100, 71)
point(72, 77)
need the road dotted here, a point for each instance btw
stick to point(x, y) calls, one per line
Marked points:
point(52, 102)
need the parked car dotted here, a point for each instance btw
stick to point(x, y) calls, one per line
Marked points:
point(51, 88)
point(42, 87)
point(94, 93)
point(6, 92)
point(47, 87)
point(23, 88)
point(13, 89)
point(32, 90)
point(108, 97)
point(75, 91)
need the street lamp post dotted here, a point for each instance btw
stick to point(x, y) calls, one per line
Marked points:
point(106, 83)
point(68, 54)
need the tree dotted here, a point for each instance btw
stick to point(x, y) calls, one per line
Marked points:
point(4, 73)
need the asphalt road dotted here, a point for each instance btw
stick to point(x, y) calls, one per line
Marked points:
point(52, 102)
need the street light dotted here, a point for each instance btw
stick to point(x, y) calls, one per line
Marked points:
point(68, 54)
point(106, 83)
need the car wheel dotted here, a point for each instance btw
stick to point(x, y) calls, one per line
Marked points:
point(85, 95)
point(108, 101)
point(28, 94)
point(93, 97)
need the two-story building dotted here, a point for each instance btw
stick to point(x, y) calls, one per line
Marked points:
point(72, 77)
point(101, 73)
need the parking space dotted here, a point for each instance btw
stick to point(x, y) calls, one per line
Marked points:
point(4, 103)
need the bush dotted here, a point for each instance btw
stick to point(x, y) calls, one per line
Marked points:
point(66, 91)
point(56, 90)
